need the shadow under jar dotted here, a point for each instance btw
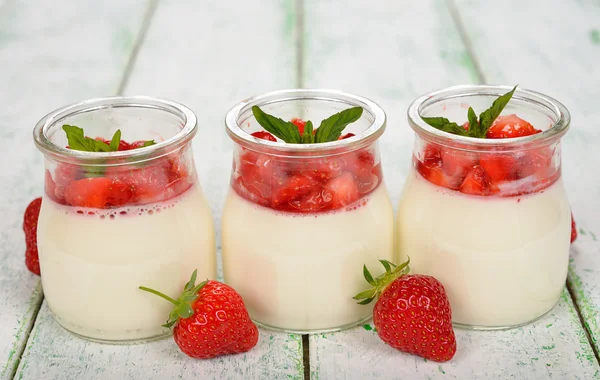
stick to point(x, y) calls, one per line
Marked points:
point(488, 217)
point(112, 221)
point(301, 220)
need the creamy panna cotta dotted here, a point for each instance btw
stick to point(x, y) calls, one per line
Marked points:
point(484, 209)
point(94, 260)
point(307, 208)
point(117, 215)
point(305, 284)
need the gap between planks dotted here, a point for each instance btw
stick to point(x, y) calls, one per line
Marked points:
point(481, 78)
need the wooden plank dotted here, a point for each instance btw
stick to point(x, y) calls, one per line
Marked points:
point(392, 54)
point(53, 353)
point(555, 50)
point(548, 348)
point(51, 54)
point(208, 55)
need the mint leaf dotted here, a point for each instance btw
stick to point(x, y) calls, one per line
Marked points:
point(307, 136)
point(487, 117)
point(332, 127)
point(148, 143)
point(436, 122)
point(116, 139)
point(285, 130)
point(474, 126)
point(78, 141)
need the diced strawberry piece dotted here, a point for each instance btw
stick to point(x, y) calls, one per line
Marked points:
point(510, 126)
point(50, 188)
point(533, 161)
point(98, 192)
point(315, 201)
point(344, 189)
point(264, 135)
point(477, 182)
point(466, 126)
point(293, 188)
point(300, 124)
point(107, 142)
point(432, 156)
point(573, 229)
point(124, 145)
point(66, 173)
point(499, 167)
point(457, 163)
point(347, 136)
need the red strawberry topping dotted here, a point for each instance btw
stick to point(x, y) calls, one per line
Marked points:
point(264, 135)
point(30, 223)
point(510, 126)
point(300, 124)
point(100, 192)
point(210, 320)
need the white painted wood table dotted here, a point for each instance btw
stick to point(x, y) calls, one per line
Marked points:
point(211, 54)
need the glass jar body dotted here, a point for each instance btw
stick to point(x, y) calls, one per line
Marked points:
point(298, 226)
point(492, 223)
point(107, 228)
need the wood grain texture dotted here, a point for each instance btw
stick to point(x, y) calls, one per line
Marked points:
point(392, 54)
point(554, 347)
point(51, 54)
point(555, 50)
point(207, 55)
point(53, 353)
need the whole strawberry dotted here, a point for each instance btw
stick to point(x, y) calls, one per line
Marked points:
point(30, 223)
point(210, 320)
point(573, 229)
point(412, 312)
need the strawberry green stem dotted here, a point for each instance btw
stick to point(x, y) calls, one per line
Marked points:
point(159, 294)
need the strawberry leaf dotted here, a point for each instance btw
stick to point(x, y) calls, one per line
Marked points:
point(368, 275)
point(331, 128)
point(487, 117)
point(285, 130)
point(115, 141)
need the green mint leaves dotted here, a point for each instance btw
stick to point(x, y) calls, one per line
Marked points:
point(330, 129)
point(477, 128)
point(78, 141)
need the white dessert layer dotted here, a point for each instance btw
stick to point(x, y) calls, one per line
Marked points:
point(503, 261)
point(93, 263)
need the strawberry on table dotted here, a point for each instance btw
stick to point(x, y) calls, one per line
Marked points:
point(412, 312)
point(210, 319)
point(30, 223)
point(573, 229)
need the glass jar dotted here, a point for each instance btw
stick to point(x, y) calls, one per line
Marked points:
point(301, 220)
point(113, 221)
point(488, 217)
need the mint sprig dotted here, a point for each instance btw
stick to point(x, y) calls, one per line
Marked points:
point(478, 128)
point(78, 141)
point(330, 129)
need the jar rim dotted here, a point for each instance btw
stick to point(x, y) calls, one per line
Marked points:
point(557, 130)
point(360, 140)
point(179, 139)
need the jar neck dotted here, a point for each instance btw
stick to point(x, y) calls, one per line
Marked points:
point(543, 112)
point(306, 104)
point(170, 125)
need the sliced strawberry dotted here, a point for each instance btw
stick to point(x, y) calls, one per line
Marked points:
point(457, 163)
point(533, 161)
point(573, 229)
point(499, 167)
point(300, 124)
point(510, 126)
point(477, 182)
point(98, 192)
point(293, 188)
point(315, 201)
point(344, 190)
point(264, 135)
point(30, 223)
point(347, 136)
